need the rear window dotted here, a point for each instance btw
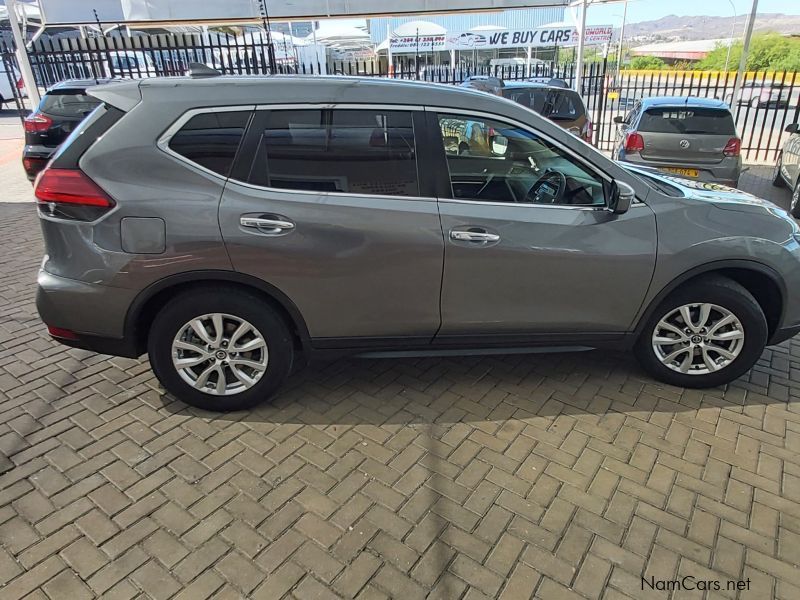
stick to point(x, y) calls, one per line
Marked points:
point(686, 120)
point(211, 139)
point(68, 103)
point(557, 105)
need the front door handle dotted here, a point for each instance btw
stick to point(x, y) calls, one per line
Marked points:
point(267, 225)
point(473, 236)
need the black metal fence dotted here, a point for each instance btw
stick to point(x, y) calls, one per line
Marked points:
point(766, 103)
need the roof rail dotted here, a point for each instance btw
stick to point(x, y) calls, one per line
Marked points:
point(198, 70)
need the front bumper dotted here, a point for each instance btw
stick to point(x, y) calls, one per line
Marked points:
point(94, 313)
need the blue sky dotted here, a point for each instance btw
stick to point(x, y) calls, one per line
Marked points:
point(648, 10)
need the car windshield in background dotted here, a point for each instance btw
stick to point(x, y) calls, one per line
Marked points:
point(687, 119)
point(68, 103)
point(553, 104)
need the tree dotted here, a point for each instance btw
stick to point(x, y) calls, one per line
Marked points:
point(645, 63)
point(768, 52)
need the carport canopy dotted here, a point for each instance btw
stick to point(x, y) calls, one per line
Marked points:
point(181, 12)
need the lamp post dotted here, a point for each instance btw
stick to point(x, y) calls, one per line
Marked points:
point(730, 39)
point(621, 37)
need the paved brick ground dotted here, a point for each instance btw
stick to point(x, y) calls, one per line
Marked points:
point(559, 477)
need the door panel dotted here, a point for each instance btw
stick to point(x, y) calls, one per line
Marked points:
point(354, 266)
point(552, 269)
point(334, 216)
point(529, 246)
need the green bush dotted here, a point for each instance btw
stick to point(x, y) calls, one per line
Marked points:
point(768, 52)
point(646, 62)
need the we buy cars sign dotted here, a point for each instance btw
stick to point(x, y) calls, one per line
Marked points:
point(562, 35)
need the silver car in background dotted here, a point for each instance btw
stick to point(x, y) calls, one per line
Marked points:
point(787, 167)
point(690, 137)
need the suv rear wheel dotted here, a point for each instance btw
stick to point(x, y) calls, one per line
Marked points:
point(220, 351)
point(705, 334)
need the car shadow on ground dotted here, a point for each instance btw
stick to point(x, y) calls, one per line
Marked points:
point(444, 391)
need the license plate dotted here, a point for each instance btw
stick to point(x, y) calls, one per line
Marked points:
point(682, 172)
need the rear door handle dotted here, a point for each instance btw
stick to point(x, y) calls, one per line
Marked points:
point(473, 236)
point(266, 225)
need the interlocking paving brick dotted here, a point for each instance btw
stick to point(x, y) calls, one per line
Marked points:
point(547, 476)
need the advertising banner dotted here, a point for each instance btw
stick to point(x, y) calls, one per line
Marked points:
point(560, 35)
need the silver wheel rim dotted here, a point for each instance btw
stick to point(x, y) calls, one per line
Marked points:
point(698, 339)
point(220, 354)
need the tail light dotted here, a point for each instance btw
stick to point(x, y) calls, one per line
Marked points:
point(733, 147)
point(37, 123)
point(61, 333)
point(70, 194)
point(634, 142)
point(20, 84)
point(586, 132)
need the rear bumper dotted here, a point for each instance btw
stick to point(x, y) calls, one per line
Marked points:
point(94, 313)
point(34, 159)
point(723, 174)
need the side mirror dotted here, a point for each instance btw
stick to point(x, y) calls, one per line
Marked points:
point(499, 145)
point(793, 128)
point(622, 195)
point(619, 119)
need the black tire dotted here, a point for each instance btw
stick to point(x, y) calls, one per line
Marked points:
point(777, 179)
point(727, 294)
point(794, 207)
point(241, 304)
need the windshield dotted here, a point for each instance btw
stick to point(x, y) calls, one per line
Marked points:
point(68, 103)
point(557, 105)
point(685, 120)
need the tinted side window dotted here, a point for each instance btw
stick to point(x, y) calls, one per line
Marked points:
point(348, 150)
point(687, 120)
point(211, 139)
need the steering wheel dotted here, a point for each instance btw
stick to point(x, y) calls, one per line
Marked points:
point(549, 189)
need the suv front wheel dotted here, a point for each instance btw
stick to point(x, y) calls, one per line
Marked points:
point(705, 334)
point(220, 350)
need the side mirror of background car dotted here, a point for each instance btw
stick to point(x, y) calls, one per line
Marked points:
point(622, 195)
point(793, 128)
point(618, 119)
point(499, 145)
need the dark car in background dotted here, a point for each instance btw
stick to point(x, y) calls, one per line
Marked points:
point(553, 101)
point(62, 108)
point(548, 97)
point(690, 137)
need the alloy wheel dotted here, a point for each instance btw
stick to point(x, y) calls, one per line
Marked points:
point(220, 354)
point(697, 339)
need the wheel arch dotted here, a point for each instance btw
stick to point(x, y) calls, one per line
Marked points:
point(762, 281)
point(145, 306)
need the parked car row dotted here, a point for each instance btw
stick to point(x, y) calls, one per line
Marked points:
point(285, 218)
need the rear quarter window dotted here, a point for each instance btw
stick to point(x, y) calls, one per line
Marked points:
point(211, 139)
point(687, 120)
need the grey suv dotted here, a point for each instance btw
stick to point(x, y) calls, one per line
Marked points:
point(230, 227)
